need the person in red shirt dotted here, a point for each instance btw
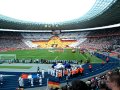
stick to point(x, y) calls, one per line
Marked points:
point(90, 67)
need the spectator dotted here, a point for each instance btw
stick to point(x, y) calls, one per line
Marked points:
point(79, 85)
point(67, 87)
point(113, 81)
point(102, 85)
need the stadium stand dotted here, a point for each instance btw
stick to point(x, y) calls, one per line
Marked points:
point(101, 40)
point(11, 41)
point(10, 83)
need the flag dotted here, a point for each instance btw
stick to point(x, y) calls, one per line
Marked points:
point(24, 76)
point(53, 83)
point(29, 76)
point(34, 76)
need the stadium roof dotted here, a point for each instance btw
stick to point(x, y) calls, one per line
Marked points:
point(103, 13)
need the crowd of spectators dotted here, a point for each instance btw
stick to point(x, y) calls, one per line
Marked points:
point(102, 39)
point(37, 36)
point(73, 35)
point(108, 81)
point(98, 39)
point(11, 41)
point(23, 40)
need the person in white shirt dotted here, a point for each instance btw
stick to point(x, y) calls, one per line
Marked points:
point(49, 71)
point(53, 72)
point(21, 82)
point(1, 79)
point(31, 81)
point(40, 80)
point(57, 73)
point(43, 73)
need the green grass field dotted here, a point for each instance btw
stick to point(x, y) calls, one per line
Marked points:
point(45, 54)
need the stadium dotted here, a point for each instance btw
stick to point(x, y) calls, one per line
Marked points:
point(48, 44)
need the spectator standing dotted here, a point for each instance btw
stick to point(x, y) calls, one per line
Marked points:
point(79, 85)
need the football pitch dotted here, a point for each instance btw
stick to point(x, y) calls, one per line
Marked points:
point(47, 54)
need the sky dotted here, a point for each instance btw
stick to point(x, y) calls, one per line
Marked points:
point(45, 11)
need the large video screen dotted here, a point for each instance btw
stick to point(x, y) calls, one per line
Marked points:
point(56, 32)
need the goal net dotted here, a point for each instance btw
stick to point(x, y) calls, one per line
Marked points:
point(7, 56)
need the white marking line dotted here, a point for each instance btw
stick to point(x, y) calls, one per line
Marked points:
point(8, 75)
point(56, 58)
